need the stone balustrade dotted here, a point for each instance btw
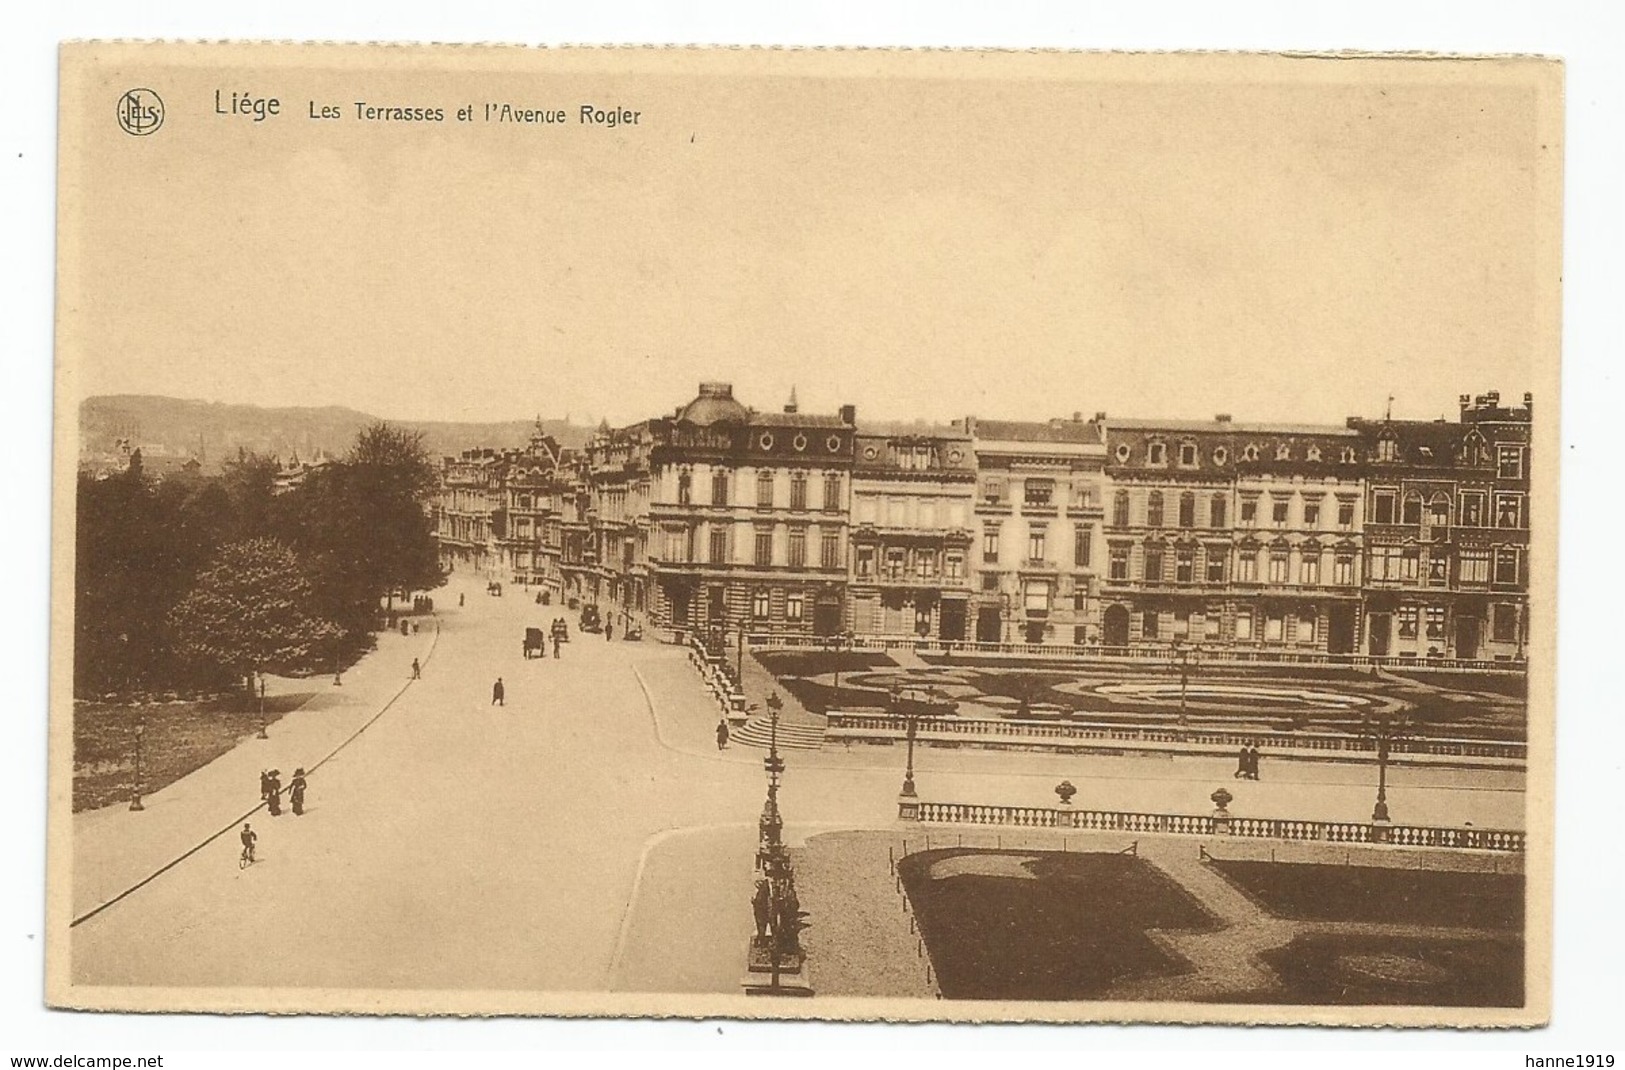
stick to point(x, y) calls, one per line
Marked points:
point(1216, 824)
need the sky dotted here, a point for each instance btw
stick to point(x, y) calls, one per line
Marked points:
point(1276, 239)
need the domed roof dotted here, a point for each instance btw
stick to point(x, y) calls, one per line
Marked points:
point(715, 405)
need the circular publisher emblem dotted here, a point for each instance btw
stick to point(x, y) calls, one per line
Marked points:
point(140, 112)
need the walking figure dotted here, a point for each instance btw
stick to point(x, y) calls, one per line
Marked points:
point(1242, 760)
point(497, 693)
point(273, 792)
point(460, 598)
point(557, 642)
point(417, 670)
point(722, 733)
point(296, 791)
point(609, 631)
point(1252, 762)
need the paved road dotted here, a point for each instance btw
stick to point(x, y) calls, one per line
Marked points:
point(586, 836)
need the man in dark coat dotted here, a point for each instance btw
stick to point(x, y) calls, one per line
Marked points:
point(1242, 758)
point(497, 693)
point(296, 791)
point(722, 733)
point(1252, 761)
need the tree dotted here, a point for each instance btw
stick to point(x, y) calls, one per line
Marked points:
point(251, 610)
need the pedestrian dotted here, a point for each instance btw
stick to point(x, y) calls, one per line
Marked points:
point(1252, 762)
point(265, 785)
point(248, 836)
point(296, 791)
point(414, 627)
point(460, 597)
point(1242, 758)
point(417, 670)
point(722, 734)
point(609, 632)
point(273, 798)
point(497, 693)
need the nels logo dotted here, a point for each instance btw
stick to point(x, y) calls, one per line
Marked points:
point(140, 112)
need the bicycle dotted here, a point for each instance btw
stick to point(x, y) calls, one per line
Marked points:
point(247, 858)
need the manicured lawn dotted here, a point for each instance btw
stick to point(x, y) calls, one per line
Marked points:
point(817, 662)
point(178, 737)
point(821, 698)
point(1374, 894)
point(1043, 925)
point(1512, 686)
point(1392, 971)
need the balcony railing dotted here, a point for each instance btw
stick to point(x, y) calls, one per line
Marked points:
point(1270, 828)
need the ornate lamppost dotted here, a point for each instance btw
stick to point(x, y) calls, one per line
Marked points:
point(135, 787)
point(1183, 653)
point(776, 948)
point(1385, 729)
point(913, 718)
point(262, 706)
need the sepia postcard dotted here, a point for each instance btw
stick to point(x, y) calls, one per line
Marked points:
point(944, 535)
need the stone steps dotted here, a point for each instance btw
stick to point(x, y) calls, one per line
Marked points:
point(758, 730)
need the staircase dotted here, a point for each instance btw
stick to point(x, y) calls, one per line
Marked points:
point(759, 683)
point(758, 730)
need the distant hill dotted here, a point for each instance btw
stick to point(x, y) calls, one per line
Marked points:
point(169, 431)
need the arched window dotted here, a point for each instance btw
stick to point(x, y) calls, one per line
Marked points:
point(719, 487)
point(1249, 452)
point(1439, 510)
point(1153, 509)
point(1412, 513)
point(764, 488)
point(1120, 509)
point(1187, 510)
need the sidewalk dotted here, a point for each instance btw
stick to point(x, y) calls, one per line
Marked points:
point(114, 847)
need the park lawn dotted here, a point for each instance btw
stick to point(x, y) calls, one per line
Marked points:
point(817, 662)
point(1068, 928)
point(179, 736)
point(1353, 970)
point(1312, 892)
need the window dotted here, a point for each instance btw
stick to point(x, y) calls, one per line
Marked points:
point(685, 485)
point(1413, 509)
point(1473, 566)
point(1306, 627)
point(676, 544)
point(1210, 623)
point(1435, 623)
point(1386, 563)
point(1508, 462)
point(953, 566)
point(1278, 564)
point(1249, 452)
point(764, 546)
point(1187, 510)
point(1215, 564)
point(1438, 569)
point(1312, 454)
point(1309, 570)
point(925, 563)
point(1408, 618)
point(1185, 566)
point(764, 489)
point(1274, 628)
point(1506, 564)
point(1080, 601)
point(1120, 509)
point(866, 560)
point(1080, 546)
point(1387, 448)
point(1080, 634)
point(1472, 508)
point(759, 603)
point(1187, 454)
point(798, 547)
point(1182, 624)
point(1153, 564)
point(832, 492)
point(1410, 560)
point(1504, 622)
point(992, 491)
point(719, 544)
point(794, 605)
point(1346, 455)
point(798, 491)
point(1247, 566)
point(1249, 512)
point(1156, 453)
point(1035, 542)
point(829, 550)
point(1343, 570)
point(719, 487)
point(1283, 451)
point(1153, 509)
point(1216, 511)
point(1509, 510)
point(1345, 514)
point(1439, 511)
point(1383, 506)
point(1035, 597)
point(1244, 625)
point(990, 581)
point(990, 543)
point(1039, 492)
point(1311, 514)
point(1278, 511)
point(1150, 625)
point(1117, 569)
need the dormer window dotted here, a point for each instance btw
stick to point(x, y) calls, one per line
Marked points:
point(1249, 452)
point(1157, 453)
point(1313, 454)
point(1283, 452)
point(1346, 455)
point(1187, 454)
point(1220, 455)
point(1387, 449)
point(1122, 453)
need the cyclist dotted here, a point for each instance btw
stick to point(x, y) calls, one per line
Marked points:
point(248, 836)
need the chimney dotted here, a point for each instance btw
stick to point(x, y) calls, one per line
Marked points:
point(1077, 416)
point(792, 407)
point(717, 390)
point(1100, 417)
point(1494, 398)
point(849, 414)
point(1222, 418)
point(1528, 401)
point(1466, 402)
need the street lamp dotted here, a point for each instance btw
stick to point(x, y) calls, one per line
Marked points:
point(1184, 653)
point(135, 787)
point(262, 706)
point(1384, 729)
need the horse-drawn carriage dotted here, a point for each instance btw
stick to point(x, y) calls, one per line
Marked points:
point(535, 643)
point(590, 620)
